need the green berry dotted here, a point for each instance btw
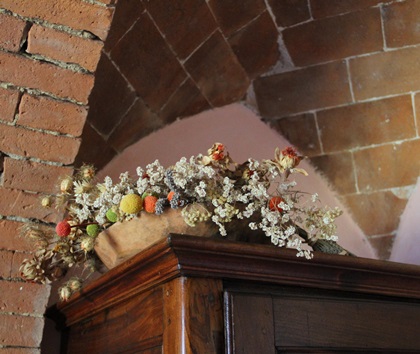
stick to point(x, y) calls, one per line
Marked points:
point(111, 215)
point(92, 230)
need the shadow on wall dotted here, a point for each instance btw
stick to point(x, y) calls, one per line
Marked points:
point(245, 136)
point(406, 247)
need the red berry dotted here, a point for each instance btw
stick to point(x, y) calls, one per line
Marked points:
point(63, 228)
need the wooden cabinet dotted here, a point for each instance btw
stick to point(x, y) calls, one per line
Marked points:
point(197, 295)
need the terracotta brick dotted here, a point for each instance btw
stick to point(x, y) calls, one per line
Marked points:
point(33, 176)
point(11, 32)
point(23, 297)
point(23, 331)
point(401, 23)
point(376, 213)
point(17, 350)
point(28, 143)
point(217, 72)
point(10, 239)
point(382, 245)
point(300, 131)
point(6, 259)
point(262, 34)
point(137, 123)
point(64, 47)
point(365, 124)
point(388, 166)
point(185, 24)
point(289, 12)
point(186, 101)
point(378, 75)
point(302, 90)
point(43, 113)
point(234, 14)
point(417, 110)
point(125, 15)
point(8, 103)
point(111, 97)
point(338, 170)
point(26, 205)
point(77, 14)
point(94, 149)
point(324, 8)
point(335, 37)
point(47, 77)
point(145, 43)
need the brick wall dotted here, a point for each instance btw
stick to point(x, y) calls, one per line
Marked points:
point(338, 78)
point(48, 55)
point(349, 99)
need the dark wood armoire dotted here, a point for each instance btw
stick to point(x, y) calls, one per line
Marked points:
point(189, 294)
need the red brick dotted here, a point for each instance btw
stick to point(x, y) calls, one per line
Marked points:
point(27, 205)
point(28, 143)
point(417, 110)
point(335, 37)
point(401, 23)
point(217, 72)
point(24, 331)
point(166, 73)
point(262, 34)
point(368, 123)
point(323, 8)
point(378, 75)
point(290, 12)
point(8, 102)
point(185, 24)
point(388, 166)
point(186, 101)
point(111, 97)
point(300, 131)
point(376, 213)
point(44, 113)
point(64, 47)
point(137, 123)
point(44, 76)
point(233, 14)
point(338, 169)
point(77, 14)
point(302, 90)
point(10, 238)
point(11, 32)
point(23, 297)
point(94, 149)
point(382, 245)
point(33, 176)
point(6, 260)
point(17, 350)
point(126, 14)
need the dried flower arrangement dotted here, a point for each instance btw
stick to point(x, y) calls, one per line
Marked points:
point(205, 187)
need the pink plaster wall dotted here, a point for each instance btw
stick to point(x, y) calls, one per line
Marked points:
point(244, 135)
point(406, 248)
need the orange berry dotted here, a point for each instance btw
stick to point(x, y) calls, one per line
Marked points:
point(150, 203)
point(274, 204)
point(170, 195)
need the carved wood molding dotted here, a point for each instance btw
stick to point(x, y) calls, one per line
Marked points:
point(190, 256)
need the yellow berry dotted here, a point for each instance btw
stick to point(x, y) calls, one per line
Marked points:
point(131, 204)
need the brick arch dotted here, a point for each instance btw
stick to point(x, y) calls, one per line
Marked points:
point(158, 65)
point(76, 85)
